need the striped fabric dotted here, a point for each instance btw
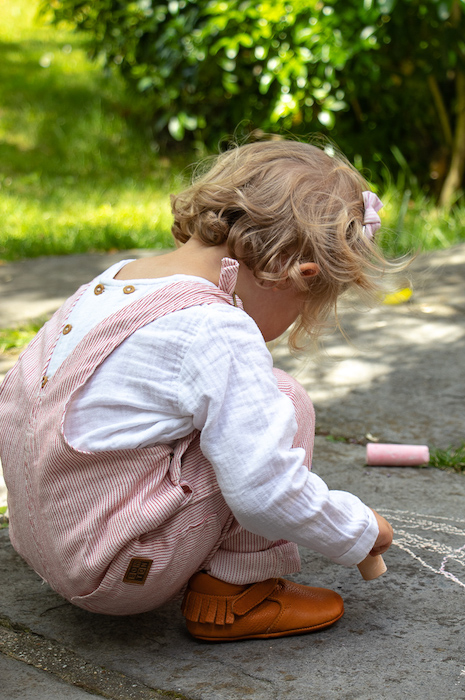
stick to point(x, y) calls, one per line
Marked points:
point(83, 519)
point(228, 275)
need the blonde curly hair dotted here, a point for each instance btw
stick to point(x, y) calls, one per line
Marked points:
point(278, 204)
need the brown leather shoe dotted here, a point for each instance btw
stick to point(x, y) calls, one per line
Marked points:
point(223, 612)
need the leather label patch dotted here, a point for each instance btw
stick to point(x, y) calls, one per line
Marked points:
point(137, 571)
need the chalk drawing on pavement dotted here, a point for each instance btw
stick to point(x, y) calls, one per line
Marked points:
point(436, 542)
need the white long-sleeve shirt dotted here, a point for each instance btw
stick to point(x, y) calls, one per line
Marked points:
point(207, 367)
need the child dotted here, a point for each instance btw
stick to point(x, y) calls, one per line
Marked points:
point(148, 445)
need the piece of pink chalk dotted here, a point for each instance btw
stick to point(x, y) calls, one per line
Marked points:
point(397, 455)
point(372, 567)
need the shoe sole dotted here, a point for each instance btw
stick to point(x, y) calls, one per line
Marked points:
point(271, 635)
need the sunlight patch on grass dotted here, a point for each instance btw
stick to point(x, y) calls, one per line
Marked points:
point(82, 220)
point(75, 173)
point(415, 224)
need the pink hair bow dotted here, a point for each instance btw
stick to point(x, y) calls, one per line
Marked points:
point(371, 220)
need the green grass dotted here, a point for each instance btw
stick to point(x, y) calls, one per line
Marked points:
point(13, 340)
point(75, 173)
point(3, 517)
point(413, 223)
point(452, 459)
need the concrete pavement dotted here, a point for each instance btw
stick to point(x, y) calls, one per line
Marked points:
point(402, 635)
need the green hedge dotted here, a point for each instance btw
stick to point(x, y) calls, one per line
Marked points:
point(385, 78)
point(206, 66)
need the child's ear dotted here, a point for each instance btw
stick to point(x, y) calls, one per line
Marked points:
point(309, 269)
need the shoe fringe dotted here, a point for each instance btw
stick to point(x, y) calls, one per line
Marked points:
point(201, 607)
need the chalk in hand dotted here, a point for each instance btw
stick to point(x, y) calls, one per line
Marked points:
point(396, 455)
point(372, 567)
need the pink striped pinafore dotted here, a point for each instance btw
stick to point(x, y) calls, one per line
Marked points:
point(121, 532)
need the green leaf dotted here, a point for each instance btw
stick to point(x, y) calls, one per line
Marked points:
point(176, 128)
point(144, 84)
point(326, 118)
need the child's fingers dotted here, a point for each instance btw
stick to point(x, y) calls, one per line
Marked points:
point(380, 549)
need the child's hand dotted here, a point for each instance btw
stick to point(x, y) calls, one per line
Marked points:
point(384, 539)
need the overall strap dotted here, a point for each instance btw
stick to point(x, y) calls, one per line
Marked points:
point(97, 345)
point(228, 277)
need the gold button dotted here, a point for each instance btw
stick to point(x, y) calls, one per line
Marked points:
point(99, 289)
point(129, 289)
point(67, 329)
point(44, 381)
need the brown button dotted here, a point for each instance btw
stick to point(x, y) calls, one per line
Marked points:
point(129, 289)
point(44, 381)
point(99, 289)
point(67, 329)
